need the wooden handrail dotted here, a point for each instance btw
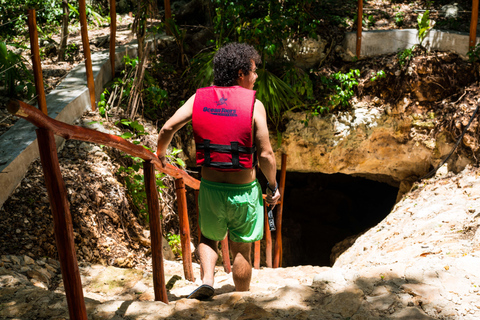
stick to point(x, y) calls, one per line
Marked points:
point(37, 118)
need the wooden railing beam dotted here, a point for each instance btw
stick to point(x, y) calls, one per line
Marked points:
point(277, 260)
point(155, 232)
point(37, 65)
point(268, 242)
point(86, 52)
point(473, 25)
point(359, 28)
point(227, 267)
point(62, 221)
point(113, 35)
point(184, 229)
point(37, 118)
point(256, 255)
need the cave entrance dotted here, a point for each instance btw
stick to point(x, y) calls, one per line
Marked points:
point(321, 210)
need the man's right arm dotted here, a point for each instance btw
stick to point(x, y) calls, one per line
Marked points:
point(266, 156)
point(175, 123)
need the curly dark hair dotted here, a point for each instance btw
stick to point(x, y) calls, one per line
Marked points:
point(230, 59)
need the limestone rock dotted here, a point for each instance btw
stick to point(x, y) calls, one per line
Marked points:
point(306, 53)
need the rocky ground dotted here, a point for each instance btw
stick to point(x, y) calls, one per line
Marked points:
point(420, 262)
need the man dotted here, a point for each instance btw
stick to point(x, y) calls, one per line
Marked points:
point(230, 129)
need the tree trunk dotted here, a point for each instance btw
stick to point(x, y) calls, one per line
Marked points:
point(64, 37)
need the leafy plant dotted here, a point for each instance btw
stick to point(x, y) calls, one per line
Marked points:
point(405, 56)
point(133, 172)
point(424, 25)
point(14, 74)
point(339, 86)
point(379, 75)
point(474, 53)
point(175, 243)
point(370, 21)
point(399, 18)
point(300, 82)
point(102, 104)
point(135, 183)
point(276, 95)
point(179, 35)
point(71, 51)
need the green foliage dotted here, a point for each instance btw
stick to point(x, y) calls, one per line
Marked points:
point(424, 25)
point(202, 69)
point(48, 15)
point(102, 104)
point(474, 53)
point(179, 35)
point(276, 95)
point(379, 75)
point(399, 18)
point(339, 87)
point(175, 243)
point(14, 74)
point(300, 83)
point(133, 172)
point(405, 56)
point(370, 22)
point(338, 90)
point(71, 51)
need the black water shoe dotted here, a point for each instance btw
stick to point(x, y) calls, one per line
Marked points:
point(204, 292)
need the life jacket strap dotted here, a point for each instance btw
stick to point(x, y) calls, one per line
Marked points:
point(224, 148)
point(234, 149)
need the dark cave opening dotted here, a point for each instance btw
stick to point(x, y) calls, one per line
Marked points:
point(321, 210)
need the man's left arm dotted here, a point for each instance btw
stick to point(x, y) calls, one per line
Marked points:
point(175, 123)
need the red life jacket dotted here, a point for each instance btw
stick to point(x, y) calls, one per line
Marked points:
point(222, 127)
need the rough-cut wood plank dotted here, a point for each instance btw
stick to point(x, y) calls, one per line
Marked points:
point(226, 256)
point(268, 242)
point(86, 52)
point(256, 255)
point(473, 25)
point(155, 232)
point(37, 66)
point(36, 117)
point(113, 35)
point(62, 221)
point(359, 27)
point(184, 229)
point(277, 260)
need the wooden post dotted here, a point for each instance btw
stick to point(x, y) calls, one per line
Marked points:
point(184, 229)
point(86, 52)
point(226, 255)
point(256, 255)
point(268, 242)
point(37, 66)
point(113, 35)
point(277, 260)
point(473, 25)
point(359, 27)
point(168, 16)
point(199, 232)
point(155, 232)
point(63, 227)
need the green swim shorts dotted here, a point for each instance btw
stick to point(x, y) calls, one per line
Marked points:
point(237, 208)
